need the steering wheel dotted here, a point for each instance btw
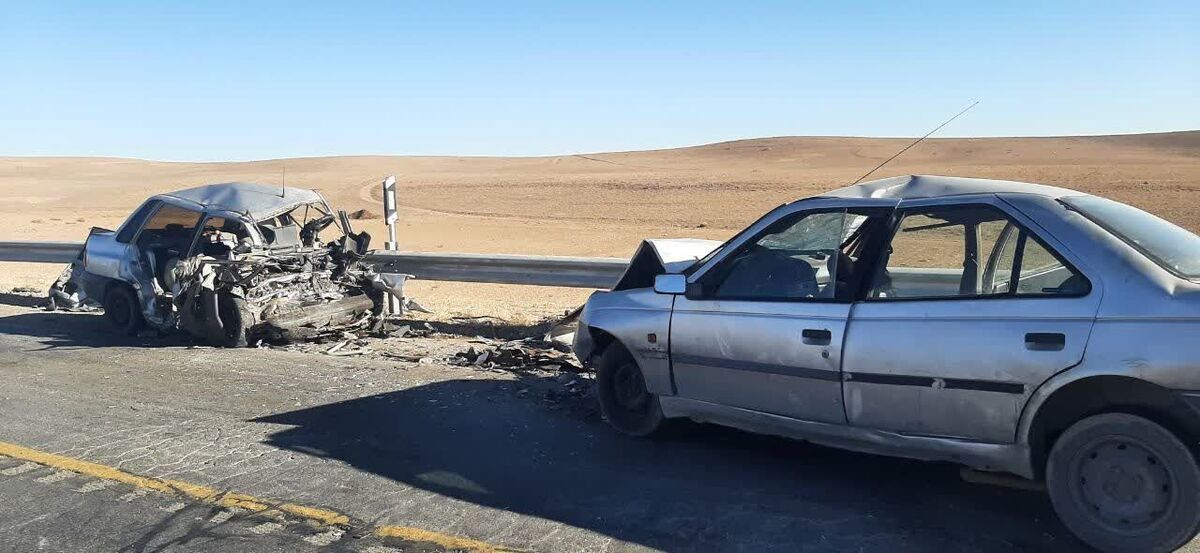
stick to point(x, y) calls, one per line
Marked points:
point(319, 224)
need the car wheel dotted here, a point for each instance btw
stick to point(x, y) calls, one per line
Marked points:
point(236, 319)
point(624, 400)
point(122, 309)
point(1124, 483)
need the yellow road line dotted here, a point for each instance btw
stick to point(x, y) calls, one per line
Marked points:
point(228, 499)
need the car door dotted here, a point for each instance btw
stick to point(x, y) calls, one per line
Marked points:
point(970, 308)
point(762, 327)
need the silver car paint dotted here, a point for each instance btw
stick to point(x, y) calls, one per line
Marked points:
point(105, 257)
point(751, 354)
point(1138, 321)
point(973, 370)
point(632, 316)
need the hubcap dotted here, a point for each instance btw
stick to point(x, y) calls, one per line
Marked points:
point(628, 388)
point(1123, 484)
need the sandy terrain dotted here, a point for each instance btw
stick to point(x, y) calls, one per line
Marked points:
point(594, 204)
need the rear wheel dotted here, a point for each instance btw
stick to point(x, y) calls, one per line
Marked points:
point(122, 309)
point(1124, 483)
point(624, 400)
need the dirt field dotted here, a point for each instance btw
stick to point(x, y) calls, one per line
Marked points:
point(594, 204)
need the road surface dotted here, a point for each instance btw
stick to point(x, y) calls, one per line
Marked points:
point(440, 452)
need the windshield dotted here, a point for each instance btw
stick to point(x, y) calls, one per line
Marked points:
point(1174, 248)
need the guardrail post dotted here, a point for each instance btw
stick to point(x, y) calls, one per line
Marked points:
point(389, 216)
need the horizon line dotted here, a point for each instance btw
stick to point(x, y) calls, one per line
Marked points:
point(590, 153)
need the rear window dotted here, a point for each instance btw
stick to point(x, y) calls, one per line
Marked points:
point(135, 222)
point(1174, 248)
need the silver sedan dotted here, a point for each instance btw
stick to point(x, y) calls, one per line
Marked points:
point(1006, 326)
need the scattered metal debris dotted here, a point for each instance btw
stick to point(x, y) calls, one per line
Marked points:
point(516, 354)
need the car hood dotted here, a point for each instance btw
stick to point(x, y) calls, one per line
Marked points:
point(661, 256)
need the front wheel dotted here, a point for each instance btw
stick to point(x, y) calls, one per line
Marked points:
point(236, 319)
point(624, 400)
point(1124, 483)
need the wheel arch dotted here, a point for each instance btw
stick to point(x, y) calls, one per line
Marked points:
point(601, 341)
point(1093, 394)
point(652, 357)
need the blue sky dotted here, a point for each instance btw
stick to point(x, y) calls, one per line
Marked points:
point(251, 80)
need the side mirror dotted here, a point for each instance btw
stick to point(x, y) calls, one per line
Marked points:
point(670, 284)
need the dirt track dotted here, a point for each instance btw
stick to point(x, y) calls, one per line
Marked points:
point(594, 204)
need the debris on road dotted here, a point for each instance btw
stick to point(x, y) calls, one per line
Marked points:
point(516, 354)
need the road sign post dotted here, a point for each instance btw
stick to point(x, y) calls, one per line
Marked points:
point(389, 216)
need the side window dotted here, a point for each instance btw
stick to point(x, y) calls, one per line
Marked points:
point(170, 228)
point(969, 251)
point(135, 222)
point(1043, 273)
point(795, 258)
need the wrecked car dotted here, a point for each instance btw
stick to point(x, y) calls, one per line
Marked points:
point(1006, 326)
point(231, 264)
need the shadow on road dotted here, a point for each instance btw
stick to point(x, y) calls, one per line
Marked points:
point(65, 329)
point(705, 488)
point(22, 300)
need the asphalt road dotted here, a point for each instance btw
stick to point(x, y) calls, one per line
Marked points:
point(445, 449)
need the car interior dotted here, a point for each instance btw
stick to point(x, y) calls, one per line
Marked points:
point(167, 235)
point(815, 256)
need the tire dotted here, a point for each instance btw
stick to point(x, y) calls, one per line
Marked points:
point(236, 319)
point(1123, 483)
point(122, 309)
point(624, 400)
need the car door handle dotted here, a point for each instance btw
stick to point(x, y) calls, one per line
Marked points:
point(816, 336)
point(1045, 341)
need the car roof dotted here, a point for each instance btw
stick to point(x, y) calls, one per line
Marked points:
point(932, 186)
point(259, 201)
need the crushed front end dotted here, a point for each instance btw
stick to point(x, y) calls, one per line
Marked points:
point(276, 296)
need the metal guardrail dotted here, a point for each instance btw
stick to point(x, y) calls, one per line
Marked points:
point(40, 252)
point(540, 270)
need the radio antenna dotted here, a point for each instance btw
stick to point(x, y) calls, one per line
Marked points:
point(915, 142)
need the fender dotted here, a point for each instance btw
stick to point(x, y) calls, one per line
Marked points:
point(640, 320)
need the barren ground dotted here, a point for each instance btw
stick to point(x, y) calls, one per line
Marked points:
point(594, 204)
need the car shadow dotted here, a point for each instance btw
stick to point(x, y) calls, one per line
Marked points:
point(701, 488)
point(22, 300)
point(69, 329)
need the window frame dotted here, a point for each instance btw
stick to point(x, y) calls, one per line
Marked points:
point(1024, 233)
point(717, 265)
point(135, 223)
point(142, 228)
point(204, 219)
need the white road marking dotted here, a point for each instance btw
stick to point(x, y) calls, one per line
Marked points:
point(57, 476)
point(174, 507)
point(382, 549)
point(267, 528)
point(96, 485)
point(325, 538)
point(222, 516)
point(22, 468)
point(134, 495)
